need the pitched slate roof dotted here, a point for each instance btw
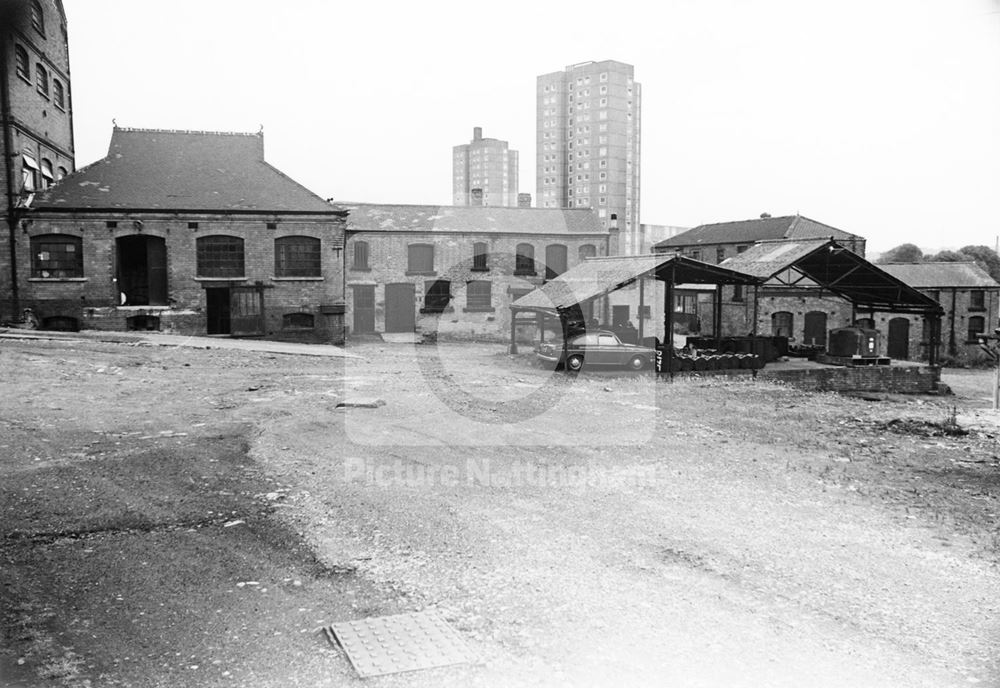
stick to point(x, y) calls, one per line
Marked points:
point(370, 217)
point(597, 276)
point(752, 231)
point(153, 169)
point(934, 275)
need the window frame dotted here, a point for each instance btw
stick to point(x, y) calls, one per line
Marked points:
point(206, 254)
point(480, 256)
point(60, 265)
point(42, 79)
point(524, 262)
point(977, 299)
point(775, 326)
point(361, 256)
point(973, 336)
point(437, 298)
point(298, 256)
point(58, 94)
point(38, 17)
point(479, 296)
point(415, 267)
point(22, 62)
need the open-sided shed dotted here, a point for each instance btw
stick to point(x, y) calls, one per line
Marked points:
point(596, 277)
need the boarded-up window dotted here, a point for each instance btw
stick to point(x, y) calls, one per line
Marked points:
point(361, 255)
point(480, 251)
point(479, 294)
point(524, 261)
point(56, 256)
point(587, 251)
point(977, 299)
point(555, 260)
point(420, 258)
point(220, 256)
point(297, 256)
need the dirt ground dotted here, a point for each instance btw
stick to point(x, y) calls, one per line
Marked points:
point(173, 516)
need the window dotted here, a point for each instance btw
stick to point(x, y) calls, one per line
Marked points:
point(271, 225)
point(977, 300)
point(58, 94)
point(555, 260)
point(56, 256)
point(41, 80)
point(297, 256)
point(111, 224)
point(524, 261)
point(420, 258)
point(587, 251)
point(219, 256)
point(192, 225)
point(720, 254)
point(37, 17)
point(695, 254)
point(781, 324)
point(977, 325)
point(22, 65)
point(29, 173)
point(298, 321)
point(737, 292)
point(479, 254)
point(60, 173)
point(47, 178)
point(436, 296)
point(479, 295)
point(361, 255)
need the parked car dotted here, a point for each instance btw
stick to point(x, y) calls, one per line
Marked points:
point(595, 348)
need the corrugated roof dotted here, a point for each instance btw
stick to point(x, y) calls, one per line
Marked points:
point(372, 217)
point(752, 231)
point(153, 169)
point(964, 275)
point(832, 267)
point(597, 276)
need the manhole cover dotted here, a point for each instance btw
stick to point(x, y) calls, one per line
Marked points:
point(401, 642)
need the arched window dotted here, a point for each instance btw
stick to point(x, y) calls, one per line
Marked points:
point(37, 17)
point(219, 255)
point(60, 173)
point(587, 251)
point(782, 324)
point(56, 256)
point(297, 256)
point(58, 95)
point(41, 80)
point(361, 255)
point(524, 261)
point(555, 260)
point(977, 325)
point(480, 250)
point(21, 61)
point(47, 178)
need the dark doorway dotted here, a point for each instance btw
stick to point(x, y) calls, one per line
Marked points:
point(619, 316)
point(899, 339)
point(142, 270)
point(364, 308)
point(815, 329)
point(217, 310)
point(400, 307)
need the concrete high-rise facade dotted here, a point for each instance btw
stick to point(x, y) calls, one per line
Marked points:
point(588, 143)
point(36, 141)
point(484, 172)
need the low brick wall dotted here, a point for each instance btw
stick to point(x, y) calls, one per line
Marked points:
point(898, 379)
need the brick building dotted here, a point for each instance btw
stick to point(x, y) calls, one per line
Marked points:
point(970, 299)
point(455, 270)
point(36, 114)
point(801, 312)
point(191, 232)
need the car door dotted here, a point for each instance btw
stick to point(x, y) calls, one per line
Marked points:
point(608, 350)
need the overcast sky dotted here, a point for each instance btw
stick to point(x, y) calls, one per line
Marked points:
point(879, 117)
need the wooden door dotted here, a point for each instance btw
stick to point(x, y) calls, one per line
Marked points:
point(364, 308)
point(246, 311)
point(156, 266)
point(899, 338)
point(815, 329)
point(400, 307)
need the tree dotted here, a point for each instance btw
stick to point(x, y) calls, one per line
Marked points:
point(948, 256)
point(904, 253)
point(985, 257)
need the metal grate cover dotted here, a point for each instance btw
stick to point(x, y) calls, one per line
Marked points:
point(401, 642)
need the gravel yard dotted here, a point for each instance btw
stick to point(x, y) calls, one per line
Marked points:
point(192, 517)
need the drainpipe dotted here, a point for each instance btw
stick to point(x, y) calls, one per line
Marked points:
point(952, 347)
point(9, 169)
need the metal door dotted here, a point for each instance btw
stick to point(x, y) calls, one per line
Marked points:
point(246, 311)
point(815, 329)
point(400, 305)
point(899, 338)
point(364, 308)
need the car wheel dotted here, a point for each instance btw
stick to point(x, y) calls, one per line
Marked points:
point(574, 363)
point(637, 363)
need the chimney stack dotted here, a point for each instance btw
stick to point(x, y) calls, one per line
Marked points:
point(477, 133)
point(614, 237)
point(477, 197)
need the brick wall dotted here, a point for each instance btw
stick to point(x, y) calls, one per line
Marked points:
point(453, 261)
point(95, 298)
point(908, 379)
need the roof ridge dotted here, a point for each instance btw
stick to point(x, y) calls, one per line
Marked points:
point(188, 131)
